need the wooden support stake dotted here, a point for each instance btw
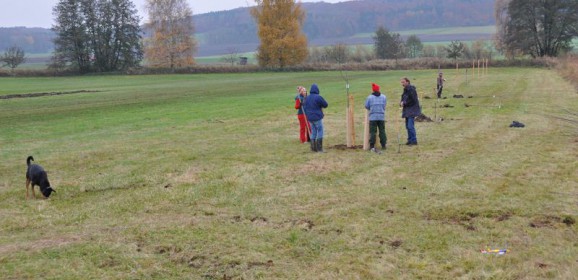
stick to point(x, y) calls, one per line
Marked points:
point(350, 124)
point(478, 68)
point(366, 131)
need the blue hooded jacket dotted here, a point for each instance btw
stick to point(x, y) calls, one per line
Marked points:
point(314, 104)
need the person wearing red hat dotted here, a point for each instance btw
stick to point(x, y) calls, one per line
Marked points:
point(375, 103)
point(303, 126)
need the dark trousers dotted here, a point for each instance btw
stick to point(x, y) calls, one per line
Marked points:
point(373, 127)
point(440, 89)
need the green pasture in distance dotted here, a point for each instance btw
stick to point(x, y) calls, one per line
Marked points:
point(203, 177)
point(220, 59)
point(490, 29)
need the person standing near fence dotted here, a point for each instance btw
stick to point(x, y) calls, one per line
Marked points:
point(411, 110)
point(376, 103)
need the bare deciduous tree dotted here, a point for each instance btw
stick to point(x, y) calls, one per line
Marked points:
point(13, 57)
point(232, 56)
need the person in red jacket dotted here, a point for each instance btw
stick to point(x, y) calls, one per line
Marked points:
point(303, 124)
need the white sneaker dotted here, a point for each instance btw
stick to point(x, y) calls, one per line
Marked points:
point(375, 150)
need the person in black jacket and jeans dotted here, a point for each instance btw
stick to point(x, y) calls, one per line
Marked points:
point(411, 109)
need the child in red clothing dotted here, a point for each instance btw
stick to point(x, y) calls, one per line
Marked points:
point(303, 125)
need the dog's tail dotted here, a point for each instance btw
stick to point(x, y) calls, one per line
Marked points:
point(30, 158)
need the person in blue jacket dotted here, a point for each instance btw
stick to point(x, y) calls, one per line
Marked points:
point(313, 106)
point(411, 110)
point(375, 103)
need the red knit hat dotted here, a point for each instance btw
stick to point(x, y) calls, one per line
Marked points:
point(375, 87)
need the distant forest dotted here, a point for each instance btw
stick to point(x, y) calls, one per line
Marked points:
point(325, 24)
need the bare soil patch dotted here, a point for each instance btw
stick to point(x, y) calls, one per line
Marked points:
point(40, 94)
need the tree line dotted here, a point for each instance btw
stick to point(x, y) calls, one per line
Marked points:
point(104, 35)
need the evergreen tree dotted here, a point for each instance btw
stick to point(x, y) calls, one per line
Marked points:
point(388, 45)
point(455, 50)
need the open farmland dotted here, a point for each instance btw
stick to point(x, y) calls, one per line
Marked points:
point(203, 177)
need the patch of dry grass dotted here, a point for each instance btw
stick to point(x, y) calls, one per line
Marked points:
point(568, 68)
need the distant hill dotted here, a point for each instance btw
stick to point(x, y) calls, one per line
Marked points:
point(31, 40)
point(325, 24)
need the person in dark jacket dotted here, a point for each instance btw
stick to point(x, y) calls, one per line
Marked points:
point(314, 105)
point(411, 110)
point(303, 126)
point(440, 84)
point(375, 103)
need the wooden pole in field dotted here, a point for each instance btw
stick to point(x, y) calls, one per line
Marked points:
point(478, 68)
point(350, 124)
point(473, 69)
point(366, 131)
point(458, 75)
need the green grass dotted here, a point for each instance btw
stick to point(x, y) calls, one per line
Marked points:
point(218, 59)
point(203, 177)
point(490, 29)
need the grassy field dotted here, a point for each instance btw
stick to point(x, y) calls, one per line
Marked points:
point(489, 29)
point(203, 177)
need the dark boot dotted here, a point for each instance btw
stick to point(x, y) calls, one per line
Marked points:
point(320, 145)
point(313, 145)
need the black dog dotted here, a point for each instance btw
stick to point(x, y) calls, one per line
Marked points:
point(36, 175)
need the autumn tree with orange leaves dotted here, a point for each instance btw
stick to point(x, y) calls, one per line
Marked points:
point(282, 41)
point(172, 44)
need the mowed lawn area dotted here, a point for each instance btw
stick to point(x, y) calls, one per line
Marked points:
point(203, 177)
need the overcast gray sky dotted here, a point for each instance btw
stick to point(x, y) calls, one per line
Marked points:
point(38, 13)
